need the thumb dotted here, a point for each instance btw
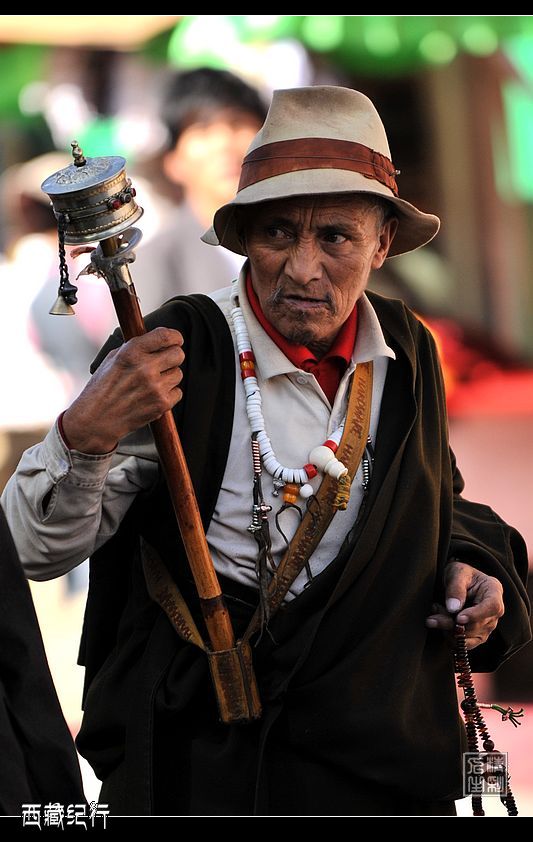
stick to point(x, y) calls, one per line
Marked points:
point(457, 580)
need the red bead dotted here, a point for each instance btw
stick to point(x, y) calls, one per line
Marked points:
point(332, 445)
point(133, 191)
point(116, 204)
point(247, 355)
point(310, 470)
point(247, 372)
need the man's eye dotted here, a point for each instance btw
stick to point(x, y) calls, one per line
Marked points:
point(276, 233)
point(335, 237)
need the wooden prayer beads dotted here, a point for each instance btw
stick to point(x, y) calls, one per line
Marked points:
point(475, 723)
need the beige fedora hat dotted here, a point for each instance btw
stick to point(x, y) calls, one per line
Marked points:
point(315, 141)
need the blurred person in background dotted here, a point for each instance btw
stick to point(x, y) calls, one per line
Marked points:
point(30, 257)
point(38, 763)
point(211, 117)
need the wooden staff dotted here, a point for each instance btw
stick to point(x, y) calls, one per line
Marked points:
point(180, 487)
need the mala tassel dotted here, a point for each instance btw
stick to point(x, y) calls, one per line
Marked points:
point(508, 714)
point(343, 493)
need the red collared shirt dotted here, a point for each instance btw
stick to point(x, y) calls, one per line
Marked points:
point(329, 370)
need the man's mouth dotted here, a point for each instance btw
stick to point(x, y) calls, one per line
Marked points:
point(304, 302)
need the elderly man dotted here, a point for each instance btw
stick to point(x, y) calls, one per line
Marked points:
point(355, 669)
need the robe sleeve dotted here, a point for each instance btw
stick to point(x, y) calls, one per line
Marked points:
point(479, 537)
point(483, 540)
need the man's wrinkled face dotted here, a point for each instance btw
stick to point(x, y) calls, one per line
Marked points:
point(310, 260)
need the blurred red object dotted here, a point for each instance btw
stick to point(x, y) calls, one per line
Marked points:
point(480, 379)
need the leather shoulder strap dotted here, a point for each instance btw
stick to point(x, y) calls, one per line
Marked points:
point(327, 500)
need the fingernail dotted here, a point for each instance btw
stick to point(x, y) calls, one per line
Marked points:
point(453, 605)
point(431, 623)
point(462, 619)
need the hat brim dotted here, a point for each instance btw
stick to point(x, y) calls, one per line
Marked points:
point(415, 228)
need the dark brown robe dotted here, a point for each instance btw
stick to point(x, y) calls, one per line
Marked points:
point(359, 696)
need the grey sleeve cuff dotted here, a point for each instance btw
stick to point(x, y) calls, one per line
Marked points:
point(84, 470)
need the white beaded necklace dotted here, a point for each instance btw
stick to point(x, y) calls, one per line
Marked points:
point(321, 458)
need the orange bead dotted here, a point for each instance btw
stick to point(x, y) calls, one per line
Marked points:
point(291, 492)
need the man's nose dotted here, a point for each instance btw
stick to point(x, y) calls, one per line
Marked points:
point(303, 263)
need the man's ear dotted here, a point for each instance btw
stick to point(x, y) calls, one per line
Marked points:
point(386, 237)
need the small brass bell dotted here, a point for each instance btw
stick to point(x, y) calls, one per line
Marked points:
point(61, 308)
point(65, 299)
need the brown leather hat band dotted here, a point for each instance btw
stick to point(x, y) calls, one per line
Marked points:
point(312, 153)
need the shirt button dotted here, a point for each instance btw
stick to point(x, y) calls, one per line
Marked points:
point(301, 380)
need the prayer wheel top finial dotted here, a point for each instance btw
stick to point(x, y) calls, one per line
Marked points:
point(77, 154)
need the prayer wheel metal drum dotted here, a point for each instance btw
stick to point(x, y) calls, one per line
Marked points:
point(92, 198)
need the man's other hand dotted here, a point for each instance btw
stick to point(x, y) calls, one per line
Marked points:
point(473, 599)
